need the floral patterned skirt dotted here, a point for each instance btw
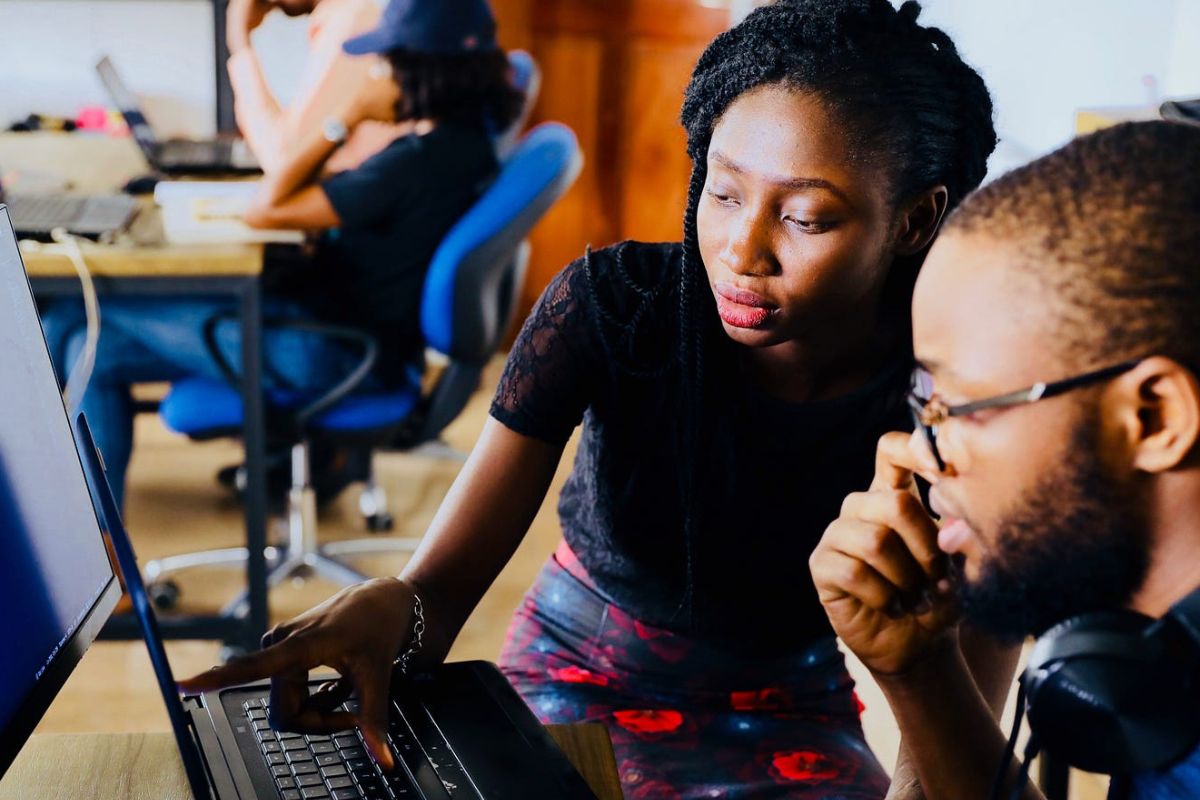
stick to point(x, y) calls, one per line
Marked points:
point(687, 719)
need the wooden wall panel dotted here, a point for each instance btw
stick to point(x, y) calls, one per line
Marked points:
point(571, 67)
point(514, 23)
point(614, 71)
point(654, 163)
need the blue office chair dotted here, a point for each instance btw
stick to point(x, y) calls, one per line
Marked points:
point(527, 77)
point(467, 306)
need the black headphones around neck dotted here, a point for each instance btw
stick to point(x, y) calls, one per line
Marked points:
point(1118, 692)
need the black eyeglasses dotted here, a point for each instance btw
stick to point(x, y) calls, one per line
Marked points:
point(929, 411)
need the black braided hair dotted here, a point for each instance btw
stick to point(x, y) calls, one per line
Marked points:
point(909, 104)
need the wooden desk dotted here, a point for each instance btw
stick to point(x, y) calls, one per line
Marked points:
point(142, 262)
point(103, 164)
point(146, 766)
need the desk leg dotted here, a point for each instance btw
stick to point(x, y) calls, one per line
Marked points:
point(254, 437)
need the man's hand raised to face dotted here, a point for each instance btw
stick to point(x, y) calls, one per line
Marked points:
point(879, 572)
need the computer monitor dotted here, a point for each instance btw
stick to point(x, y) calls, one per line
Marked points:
point(57, 586)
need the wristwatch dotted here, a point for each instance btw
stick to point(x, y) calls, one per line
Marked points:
point(334, 130)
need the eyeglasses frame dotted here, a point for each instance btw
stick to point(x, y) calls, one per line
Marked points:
point(924, 409)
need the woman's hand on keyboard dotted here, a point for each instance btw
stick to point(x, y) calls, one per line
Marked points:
point(358, 632)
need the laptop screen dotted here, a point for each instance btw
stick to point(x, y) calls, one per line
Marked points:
point(56, 582)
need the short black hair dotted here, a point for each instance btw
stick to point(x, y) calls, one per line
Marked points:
point(909, 103)
point(1109, 224)
point(469, 88)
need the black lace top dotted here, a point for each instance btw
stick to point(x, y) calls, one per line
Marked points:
point(601, 348)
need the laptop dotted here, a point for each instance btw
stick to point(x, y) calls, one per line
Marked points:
point(459, 731)
point(97, 217)
point(175, 156)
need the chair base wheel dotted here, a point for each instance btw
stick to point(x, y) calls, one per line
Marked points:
point(164, 594)
point(380, 523)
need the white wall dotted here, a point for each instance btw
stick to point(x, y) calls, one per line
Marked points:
point(1043, 59)
point(163, 49)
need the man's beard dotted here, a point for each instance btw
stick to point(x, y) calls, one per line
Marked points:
point(1075, 543)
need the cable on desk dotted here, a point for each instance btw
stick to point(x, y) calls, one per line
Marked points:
point(80, 374)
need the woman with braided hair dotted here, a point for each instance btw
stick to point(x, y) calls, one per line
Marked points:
point(731, 390)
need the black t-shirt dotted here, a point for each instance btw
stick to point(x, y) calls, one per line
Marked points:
point(601, 348)
point(395, 208)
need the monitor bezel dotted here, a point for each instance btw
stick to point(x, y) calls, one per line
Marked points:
point(31, 710)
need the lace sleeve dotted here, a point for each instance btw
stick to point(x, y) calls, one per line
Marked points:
point(555, 364)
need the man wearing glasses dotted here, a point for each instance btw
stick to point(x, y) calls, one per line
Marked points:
point(1056, 325)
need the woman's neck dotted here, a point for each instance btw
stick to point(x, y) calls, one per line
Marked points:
point(800, 372)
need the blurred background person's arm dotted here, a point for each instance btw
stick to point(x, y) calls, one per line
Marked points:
point(329, 76)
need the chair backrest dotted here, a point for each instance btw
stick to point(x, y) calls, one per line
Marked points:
point(467, 301)
point(527, 78)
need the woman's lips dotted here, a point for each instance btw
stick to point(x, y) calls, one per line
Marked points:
point(741, 308)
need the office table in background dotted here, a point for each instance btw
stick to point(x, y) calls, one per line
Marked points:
point(142, 262)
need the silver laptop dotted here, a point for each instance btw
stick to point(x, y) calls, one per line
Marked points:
point(92, 216)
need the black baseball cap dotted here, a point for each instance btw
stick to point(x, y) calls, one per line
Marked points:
point(443, 27)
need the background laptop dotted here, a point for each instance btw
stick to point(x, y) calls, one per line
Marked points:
point(174, 156)
point(100, 216)
point(457, 732)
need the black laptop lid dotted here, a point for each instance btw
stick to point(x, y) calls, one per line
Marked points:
point(111, 519)
point(56, 583)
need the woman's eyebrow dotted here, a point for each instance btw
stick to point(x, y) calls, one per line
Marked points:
point(786, 182)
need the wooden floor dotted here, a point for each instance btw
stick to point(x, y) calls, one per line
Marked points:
point(175, 506)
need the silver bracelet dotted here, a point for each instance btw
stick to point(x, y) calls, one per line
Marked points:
point(414, 642)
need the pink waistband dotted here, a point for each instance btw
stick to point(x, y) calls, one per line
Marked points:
point(567, 559)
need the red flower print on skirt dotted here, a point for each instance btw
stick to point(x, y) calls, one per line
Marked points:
point(666, 645)
point(649, 720)
point(574, 674)
point(761, 700)
point(804, 766)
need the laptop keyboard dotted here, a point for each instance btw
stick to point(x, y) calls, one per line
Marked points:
point(42, 212)
point(337, 767)
point(197, 153)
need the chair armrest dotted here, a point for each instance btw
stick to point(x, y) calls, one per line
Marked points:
point(353, 379)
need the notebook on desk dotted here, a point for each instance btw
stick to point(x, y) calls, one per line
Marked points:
point(205, 212)
point(174, 156)
point(459, 731)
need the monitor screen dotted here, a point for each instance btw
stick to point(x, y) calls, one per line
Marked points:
point(56, 581)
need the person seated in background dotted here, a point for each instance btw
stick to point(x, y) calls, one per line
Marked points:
point(731, 388)
point(378, 226)
point(1054, 503)
point(329, 76)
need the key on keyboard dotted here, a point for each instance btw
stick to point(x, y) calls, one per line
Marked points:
point(318, 767)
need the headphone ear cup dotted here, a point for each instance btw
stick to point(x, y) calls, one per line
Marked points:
point(1105, 697)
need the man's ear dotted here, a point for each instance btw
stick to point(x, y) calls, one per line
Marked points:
point(919, 220)
point(1159, 412)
